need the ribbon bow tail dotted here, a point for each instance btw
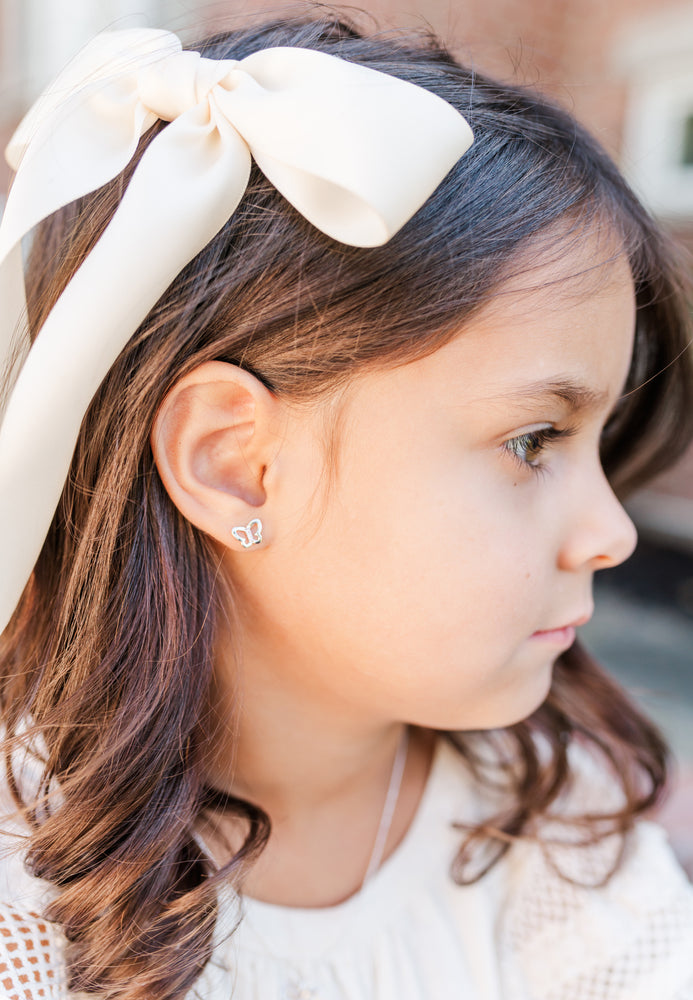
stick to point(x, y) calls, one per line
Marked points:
point(14, 340)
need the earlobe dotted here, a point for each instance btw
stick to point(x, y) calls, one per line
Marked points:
point(211, 443)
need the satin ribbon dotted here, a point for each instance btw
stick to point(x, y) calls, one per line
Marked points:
point(355, 151)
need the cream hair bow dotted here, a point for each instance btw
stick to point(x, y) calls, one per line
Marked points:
point(356, 151)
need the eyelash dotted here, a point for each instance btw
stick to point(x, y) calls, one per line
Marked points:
point(535, 441)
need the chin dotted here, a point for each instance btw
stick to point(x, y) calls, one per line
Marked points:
point(526, 701)
point(514, 704)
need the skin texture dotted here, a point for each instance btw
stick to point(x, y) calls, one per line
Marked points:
point(411, 588)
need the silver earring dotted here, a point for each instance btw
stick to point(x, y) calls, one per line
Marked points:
point(250, 535)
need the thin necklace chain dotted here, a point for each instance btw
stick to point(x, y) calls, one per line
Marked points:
point(297, 988)
point(389, 808)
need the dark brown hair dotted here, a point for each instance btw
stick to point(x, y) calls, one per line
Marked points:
point(107, 662)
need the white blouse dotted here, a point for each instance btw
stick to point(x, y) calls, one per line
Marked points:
point(412, 933)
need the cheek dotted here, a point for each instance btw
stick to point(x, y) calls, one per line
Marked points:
point(413, 595)
point(435, 630)
point(434, 563)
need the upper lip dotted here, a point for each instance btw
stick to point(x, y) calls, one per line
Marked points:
point(581, 620)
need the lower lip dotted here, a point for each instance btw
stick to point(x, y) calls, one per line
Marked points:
point(557, 637)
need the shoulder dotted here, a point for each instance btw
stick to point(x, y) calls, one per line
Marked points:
point(569, 932)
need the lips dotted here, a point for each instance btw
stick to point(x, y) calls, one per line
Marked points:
point(564, 635)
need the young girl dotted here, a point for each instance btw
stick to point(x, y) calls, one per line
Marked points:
point(303, 485)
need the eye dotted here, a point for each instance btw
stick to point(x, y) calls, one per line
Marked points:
point(527, 448)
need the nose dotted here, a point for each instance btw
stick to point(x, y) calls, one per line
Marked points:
point(601, 534)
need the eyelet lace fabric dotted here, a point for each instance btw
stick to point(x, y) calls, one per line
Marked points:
point(30, 957)
point(571, 932)
point(631, 939)
point(523, 932)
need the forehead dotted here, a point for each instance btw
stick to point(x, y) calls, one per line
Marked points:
point(562, 270)
point(558, 309)
point(561, 326)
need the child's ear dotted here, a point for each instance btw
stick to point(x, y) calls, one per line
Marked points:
point(213, 437)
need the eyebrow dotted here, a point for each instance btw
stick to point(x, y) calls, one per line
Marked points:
point(580, 398)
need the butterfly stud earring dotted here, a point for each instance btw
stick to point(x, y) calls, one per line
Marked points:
point(250, 535)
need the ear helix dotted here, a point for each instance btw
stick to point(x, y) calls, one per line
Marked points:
point(249, 535)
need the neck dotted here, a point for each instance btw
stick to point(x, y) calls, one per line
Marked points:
point(315, 755)
point(293, 753)
point(321, 770)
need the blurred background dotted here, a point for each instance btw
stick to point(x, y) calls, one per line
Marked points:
point(625, 69)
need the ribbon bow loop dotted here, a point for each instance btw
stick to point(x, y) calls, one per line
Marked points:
point(356, 151)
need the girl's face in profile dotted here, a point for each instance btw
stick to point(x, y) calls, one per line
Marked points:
point(440, 577)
